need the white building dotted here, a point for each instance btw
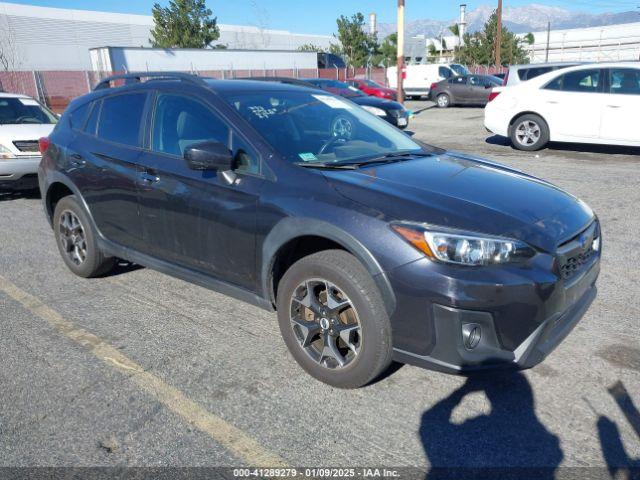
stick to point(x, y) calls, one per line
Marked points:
point(593, 44)
point(43, 38)
point(597, 44)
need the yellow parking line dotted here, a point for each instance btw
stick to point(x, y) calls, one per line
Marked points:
point(225, 434)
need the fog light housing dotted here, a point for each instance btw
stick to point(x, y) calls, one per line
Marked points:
point(471, 334)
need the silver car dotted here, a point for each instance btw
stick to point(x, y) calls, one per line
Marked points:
point(521, 73)
point(23, 121)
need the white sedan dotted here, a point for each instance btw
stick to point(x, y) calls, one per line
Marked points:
point(595, 103)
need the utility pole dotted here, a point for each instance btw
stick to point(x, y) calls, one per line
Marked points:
point(499, 35)
point(546, 55)
point(400, 50)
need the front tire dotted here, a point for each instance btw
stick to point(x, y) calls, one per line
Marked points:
point(333, 320)
point(77, 241)
point(529, 133)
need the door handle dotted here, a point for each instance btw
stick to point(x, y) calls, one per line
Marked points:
point(553, 102)
point(148, 177)
point(614, 106)
point(77, 160)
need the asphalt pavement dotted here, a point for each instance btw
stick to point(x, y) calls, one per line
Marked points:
point(141, 369)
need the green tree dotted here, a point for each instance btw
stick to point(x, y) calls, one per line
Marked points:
point(387, 52)
point(356, 46)
point(310, 47)
point(479, 47)
point(183, 24)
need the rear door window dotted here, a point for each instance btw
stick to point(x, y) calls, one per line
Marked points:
point(121, 118)
point(624, 81)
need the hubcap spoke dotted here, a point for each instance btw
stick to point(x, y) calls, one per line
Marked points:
point(330, 350)
point(346, 333)
point(308, 330)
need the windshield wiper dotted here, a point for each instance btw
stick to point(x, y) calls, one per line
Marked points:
point(389, 158)
point(330, 166)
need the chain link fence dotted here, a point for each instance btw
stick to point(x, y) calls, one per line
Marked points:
point(57, 88)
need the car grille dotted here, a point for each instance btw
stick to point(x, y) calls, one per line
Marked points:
point(577, 253)
point(27, 145)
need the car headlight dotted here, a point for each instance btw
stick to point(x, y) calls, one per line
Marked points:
point(5, 153)
point(446, 246)
point(375, 110)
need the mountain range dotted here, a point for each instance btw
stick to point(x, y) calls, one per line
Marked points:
point(524, 19)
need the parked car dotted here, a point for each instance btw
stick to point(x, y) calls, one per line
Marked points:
point(521, 73)
point(392, 112)
point(371, 246)
point(372, 88)
point(419, 78)
point(23, 121)
point(597, 103)
point(463, 90)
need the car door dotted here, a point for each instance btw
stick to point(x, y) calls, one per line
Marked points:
point(198, 219)
point(103, 163)
point(621, 107)
point(458, 89)
point(572, 104)
point(477, 89)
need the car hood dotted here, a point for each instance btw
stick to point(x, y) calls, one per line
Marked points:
point(25, 131)
point(462, 192)
point(377, 102)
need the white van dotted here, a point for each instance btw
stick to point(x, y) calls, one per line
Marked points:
point(420, 77)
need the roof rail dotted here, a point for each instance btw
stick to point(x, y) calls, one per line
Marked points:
point(136, 77)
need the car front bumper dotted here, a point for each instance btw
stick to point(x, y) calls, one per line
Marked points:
point(19, 173)
point(519, 316)
point(400, 120)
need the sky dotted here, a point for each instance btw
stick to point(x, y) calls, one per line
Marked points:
point(319, 16)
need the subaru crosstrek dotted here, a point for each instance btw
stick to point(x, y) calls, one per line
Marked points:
point(371, 246)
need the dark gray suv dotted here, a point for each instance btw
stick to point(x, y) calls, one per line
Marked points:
point(370, 245)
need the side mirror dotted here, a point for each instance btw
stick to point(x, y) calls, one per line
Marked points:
point(208, 156)
point(487, 86)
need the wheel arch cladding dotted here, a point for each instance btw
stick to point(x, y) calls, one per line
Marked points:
point(294, 238)
point(56, 192)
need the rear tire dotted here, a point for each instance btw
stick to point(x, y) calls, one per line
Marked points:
point(77, 241)
point(345, 341)
point(443, 100)
point(529, 133)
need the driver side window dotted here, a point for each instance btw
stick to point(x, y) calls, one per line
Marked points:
point(179, 122)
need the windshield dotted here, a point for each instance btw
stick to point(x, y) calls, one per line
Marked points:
point(24, 110)
point(319, 128)
point(373, 84)
point(459, 69)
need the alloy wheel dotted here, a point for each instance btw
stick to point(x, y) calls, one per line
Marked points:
point(325, 323)
point(72, 237)
point(528, 133)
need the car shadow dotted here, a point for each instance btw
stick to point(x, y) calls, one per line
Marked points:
point(571, 147)
point(423, 109)
point(508, 442)
point(619, 463)
point(8, 195)
point(122, 267)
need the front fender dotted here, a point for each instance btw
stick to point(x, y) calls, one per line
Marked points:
point(292, 227)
